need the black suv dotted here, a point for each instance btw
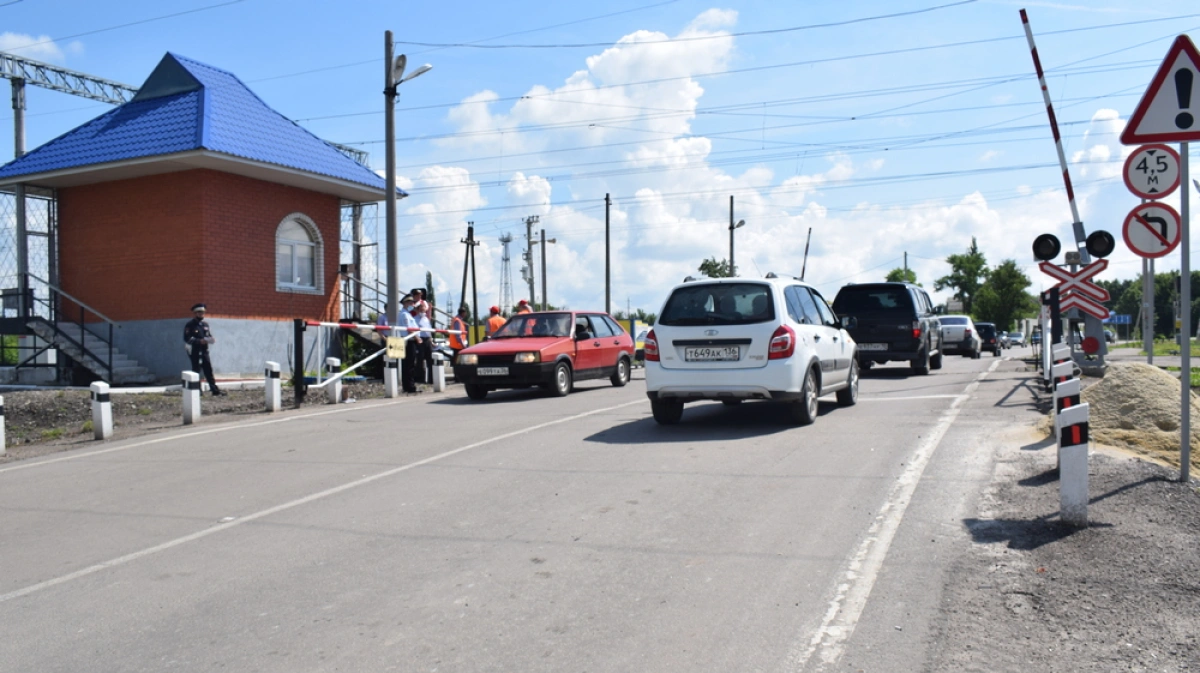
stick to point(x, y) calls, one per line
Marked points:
point(895, 321)
point(989, 340)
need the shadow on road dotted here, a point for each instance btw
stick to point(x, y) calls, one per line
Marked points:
point(707, 422)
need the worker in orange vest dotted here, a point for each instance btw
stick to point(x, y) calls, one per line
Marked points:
point(495, 322)
point(458, 332)
point(523, 307)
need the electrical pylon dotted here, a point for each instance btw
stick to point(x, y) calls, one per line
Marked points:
point(506, 295)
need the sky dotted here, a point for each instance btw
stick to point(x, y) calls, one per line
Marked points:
point(869, 133)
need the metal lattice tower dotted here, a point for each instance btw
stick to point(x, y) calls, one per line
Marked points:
point(506, 295)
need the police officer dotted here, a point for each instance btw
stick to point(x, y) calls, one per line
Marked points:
point(198, 337)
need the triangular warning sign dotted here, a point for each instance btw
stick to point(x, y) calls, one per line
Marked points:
point(1170, 109)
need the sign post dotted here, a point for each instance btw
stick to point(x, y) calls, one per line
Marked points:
point(1167, 113)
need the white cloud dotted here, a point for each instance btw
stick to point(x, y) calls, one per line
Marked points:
point(36, 47)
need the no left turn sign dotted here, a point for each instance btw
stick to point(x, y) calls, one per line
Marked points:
point(1152, 230)
point(1152, 171)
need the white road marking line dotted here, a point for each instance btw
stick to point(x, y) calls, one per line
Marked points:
point(854, 588)
point(122, 560)
point(910, 397)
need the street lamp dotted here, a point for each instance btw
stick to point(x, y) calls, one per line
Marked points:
point(393, 77)
point(545, 303)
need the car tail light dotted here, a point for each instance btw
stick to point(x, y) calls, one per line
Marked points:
point(917, 329)
point(650, 347)
point(783, 343)
point(967, 333)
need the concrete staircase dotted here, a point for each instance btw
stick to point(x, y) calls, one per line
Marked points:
point(126, 370)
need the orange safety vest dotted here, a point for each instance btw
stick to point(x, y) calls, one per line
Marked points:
point(494, 323)
point(457, 341)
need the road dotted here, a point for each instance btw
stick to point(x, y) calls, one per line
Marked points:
point(525, 533)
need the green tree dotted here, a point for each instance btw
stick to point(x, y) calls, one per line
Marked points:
point(901, 275)
point(713, 268)
point(967, 274)
point(1004, 298)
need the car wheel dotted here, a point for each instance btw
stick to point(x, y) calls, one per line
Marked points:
point(921, 365)
point(666, 412)
point(562, 380)
point(804, 410)
point(866, 364)
point(976, 355)
point(621, 376)
point(475, 391)
point(848, 396)
point(935, 361)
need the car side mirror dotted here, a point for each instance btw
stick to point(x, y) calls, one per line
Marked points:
point(849, 322)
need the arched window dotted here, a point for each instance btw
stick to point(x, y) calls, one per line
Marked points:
point(298, 255)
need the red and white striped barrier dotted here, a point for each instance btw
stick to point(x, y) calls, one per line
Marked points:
point(379, 328)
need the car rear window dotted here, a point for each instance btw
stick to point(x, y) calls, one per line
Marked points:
point(954, 320)
point(986, 329)
point(867, 299)
point(718, 304)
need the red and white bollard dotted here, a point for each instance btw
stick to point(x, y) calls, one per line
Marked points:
point(272, 387)
point(102, 423)
point(191, 397)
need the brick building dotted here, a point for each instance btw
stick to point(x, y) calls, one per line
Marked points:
point(195, 191)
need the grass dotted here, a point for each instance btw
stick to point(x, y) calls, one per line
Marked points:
point(1161, 347)
point(1195, 375)
point(86, 428)
point(52, 433)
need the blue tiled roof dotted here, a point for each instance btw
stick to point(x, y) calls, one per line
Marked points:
point(186, 105)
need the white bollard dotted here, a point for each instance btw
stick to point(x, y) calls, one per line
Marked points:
point(191, 397)
point(1060, 353)
point(1066, 395)
point(333, 391)
point(273, 388)
point(391, 378)
point(1073, 465)
point(3, 439)
point(1062, 369)
point(102, 423)
point(439, 373)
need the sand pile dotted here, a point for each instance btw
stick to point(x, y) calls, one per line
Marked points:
point(1137, 406)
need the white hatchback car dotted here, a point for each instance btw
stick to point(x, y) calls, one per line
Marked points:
point(736, 339)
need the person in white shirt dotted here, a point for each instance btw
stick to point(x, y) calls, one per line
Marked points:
point(408, 366)
point(423, 373)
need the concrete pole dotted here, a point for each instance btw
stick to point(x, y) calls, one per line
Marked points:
point(607, 259)
point(102, 422)
point(732, 268)
point(272, 387)
point(333, 391)
point(191, 397)
point(389, 123)
point(545, 300)
point(22, 229)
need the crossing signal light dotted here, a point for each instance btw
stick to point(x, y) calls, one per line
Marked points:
point(1046, 247)
point(1100, 244)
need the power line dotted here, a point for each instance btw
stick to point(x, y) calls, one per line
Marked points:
point(698, 38)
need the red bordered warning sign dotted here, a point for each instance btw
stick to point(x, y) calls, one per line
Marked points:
point(1170, 109)
point(1152, 229)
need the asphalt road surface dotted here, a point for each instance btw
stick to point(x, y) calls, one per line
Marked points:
point(524, 533)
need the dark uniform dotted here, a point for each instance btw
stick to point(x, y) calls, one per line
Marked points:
point(195, 335)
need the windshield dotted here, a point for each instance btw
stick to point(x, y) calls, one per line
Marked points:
point(868, 299)
point(718, 304)
point(536, 325)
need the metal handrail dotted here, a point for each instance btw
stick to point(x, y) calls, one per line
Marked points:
point(74, 300)
point(56, 309)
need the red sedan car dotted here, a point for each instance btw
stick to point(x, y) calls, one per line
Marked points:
point(551, 349)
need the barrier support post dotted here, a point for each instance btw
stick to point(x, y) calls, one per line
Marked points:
point(1073, 465)
point(273, 387)
point(102, 423)
point(439, 373)
point(333, 391)
point(191, 397)
point(391, 378)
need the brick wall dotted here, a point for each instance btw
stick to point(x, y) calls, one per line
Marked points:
point(148, 248)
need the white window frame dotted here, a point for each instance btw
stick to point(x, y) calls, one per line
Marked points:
point(318, 247)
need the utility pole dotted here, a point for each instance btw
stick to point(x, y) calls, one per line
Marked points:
point(607, 263)
point(732, 226)
point(527, 273)
point(506, 294)
point(469, 263)
point(389, 143)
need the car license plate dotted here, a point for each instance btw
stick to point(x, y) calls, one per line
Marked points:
point(709, 354)
point(872, 347)
point(492, 371)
